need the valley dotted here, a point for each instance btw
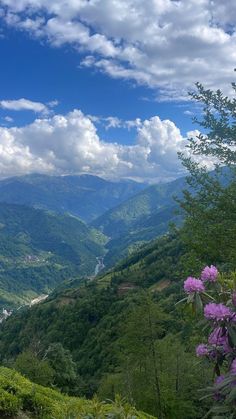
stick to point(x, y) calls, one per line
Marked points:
point(86, 306)
point(55, 246)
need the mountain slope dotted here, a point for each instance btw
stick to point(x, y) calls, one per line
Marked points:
point(105, 326)
point(23, 399)
point(85, 196)
point(140, 219)
point(137, 210)
point(39, 249)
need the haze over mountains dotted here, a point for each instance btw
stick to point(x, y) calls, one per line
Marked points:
point(85, 196)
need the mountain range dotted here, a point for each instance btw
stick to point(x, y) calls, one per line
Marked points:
point(85, 196)
point(43, 240)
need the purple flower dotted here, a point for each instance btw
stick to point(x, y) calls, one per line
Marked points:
point(218, 312)
point(193, 285)
point(202, 350)
point(219, 379)
point(219, 337)
point(209, 274)
point(233, 367)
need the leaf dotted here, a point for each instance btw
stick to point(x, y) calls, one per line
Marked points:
point(232, 336)
point(181, 301)
point(232, 396)
point(208, 296)
point(198, 303)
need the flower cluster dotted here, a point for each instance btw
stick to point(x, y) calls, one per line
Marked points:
point(193, 285)
point(209, 274)
point(217, 312)
point(218, 304)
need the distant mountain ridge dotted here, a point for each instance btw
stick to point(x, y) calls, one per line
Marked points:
point(85, 196)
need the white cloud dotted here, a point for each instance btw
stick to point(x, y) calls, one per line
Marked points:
point(8, 119)
point(188, 113)
point(70, 144)
point(165, 44)
point(24, 104)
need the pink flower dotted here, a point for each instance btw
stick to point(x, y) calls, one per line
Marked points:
point(218, 312)
point(193, 285)
point(219, 337)
point(202, 350)
point(209, 274)
point(219, 379)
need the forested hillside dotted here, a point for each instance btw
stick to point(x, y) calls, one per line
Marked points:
point(39, 249)
point(142, 210)
point(100, 326)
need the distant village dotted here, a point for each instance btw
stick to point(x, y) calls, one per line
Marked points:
point(7, 313)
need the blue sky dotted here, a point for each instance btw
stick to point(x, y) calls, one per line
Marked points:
point(43, 73)
point(101, 86)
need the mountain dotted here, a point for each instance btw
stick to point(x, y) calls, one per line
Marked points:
point(85, 196)
point(140, 210)
point(105, 326)
point(39, 249)
point(140, 218)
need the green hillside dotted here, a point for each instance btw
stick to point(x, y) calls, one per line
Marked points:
point(102, 324)
point(20, 398)
point(85, 196)
point(39, 249)
point(140, 219)
point(140, 210)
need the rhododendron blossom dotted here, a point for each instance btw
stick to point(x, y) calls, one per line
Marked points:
point(202, 350)
point(217, 312)
point(209, 274)
point(218, 303)
point(193, 285)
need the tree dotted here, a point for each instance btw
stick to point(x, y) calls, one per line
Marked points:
point(65, 374)
point(38, 371)
point(209, 204)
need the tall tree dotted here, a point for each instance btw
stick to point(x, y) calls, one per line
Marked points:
point(210, 205)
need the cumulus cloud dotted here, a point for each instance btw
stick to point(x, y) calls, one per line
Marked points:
point(165, 44)
point(70, 144)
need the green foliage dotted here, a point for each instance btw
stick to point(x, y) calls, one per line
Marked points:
point(141, 218)
point(65, 374)
point(108, 333)
point(18, 395)
point(38, 250)
point(218, 123)
point(209, 229)
point(36, 370)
